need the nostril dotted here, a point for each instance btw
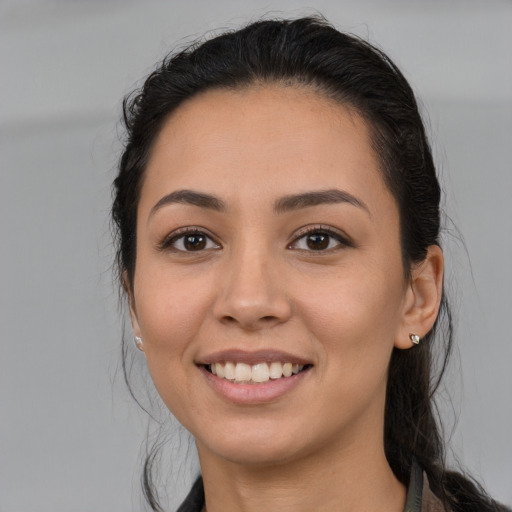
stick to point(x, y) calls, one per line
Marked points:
point(250, 323)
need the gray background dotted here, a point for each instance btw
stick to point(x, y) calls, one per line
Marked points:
point(69, 433)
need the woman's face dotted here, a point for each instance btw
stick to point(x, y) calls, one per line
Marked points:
point(267, 242)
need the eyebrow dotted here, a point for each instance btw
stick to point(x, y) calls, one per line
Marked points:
point(190, 197)
point(282, 205)
point(308, 199)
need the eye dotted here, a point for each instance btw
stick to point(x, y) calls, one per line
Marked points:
point(191, 240)
point(320, 239)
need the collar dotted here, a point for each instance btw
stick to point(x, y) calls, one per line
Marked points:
point(415, 490)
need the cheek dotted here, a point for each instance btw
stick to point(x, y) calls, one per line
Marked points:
point(354, 314)
point(169, 306)
point(170, 315)
point(170, 312)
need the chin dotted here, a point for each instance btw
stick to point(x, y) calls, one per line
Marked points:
point(257, 455)
point(256, 446)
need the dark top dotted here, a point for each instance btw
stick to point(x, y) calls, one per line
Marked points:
point(419, 496)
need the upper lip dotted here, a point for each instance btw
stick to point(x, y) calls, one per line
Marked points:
point(251, 357)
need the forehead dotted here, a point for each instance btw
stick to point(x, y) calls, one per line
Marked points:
point(273, 140)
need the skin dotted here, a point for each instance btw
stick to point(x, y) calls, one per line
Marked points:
point(257, 285)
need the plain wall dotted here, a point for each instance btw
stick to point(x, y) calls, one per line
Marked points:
point(69, 432)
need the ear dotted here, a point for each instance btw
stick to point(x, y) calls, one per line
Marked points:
point(131, 302)
point(422, 298)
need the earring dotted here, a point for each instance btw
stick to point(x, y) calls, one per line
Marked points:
point(414, 338)
point(138, 342)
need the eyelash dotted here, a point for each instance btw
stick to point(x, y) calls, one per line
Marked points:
point(343, 240)
point(182, 233)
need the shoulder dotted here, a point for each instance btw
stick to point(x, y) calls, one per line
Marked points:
point(431, 503)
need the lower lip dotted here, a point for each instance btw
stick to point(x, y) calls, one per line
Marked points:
point(250, 394)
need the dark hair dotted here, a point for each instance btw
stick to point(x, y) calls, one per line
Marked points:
point(308, 52)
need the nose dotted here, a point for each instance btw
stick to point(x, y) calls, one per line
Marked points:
point(252, 293)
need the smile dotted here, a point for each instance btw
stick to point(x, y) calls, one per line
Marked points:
point(243, 373)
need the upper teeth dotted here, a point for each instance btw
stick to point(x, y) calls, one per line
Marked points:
point(261, 372)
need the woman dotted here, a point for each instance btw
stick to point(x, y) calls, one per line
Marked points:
point(277, 211)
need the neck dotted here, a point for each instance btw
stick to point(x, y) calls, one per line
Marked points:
point(352, 478)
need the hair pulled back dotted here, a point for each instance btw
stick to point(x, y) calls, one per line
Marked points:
point(308, 52)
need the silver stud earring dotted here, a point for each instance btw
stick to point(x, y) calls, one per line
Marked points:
point(414, 338)
point(138, 342)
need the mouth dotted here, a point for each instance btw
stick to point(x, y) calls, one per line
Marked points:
point(254, 377)
point(259, 373)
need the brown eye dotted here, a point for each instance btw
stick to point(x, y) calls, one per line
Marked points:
point(318, 241)
point(191, 241)
point(194, 242)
